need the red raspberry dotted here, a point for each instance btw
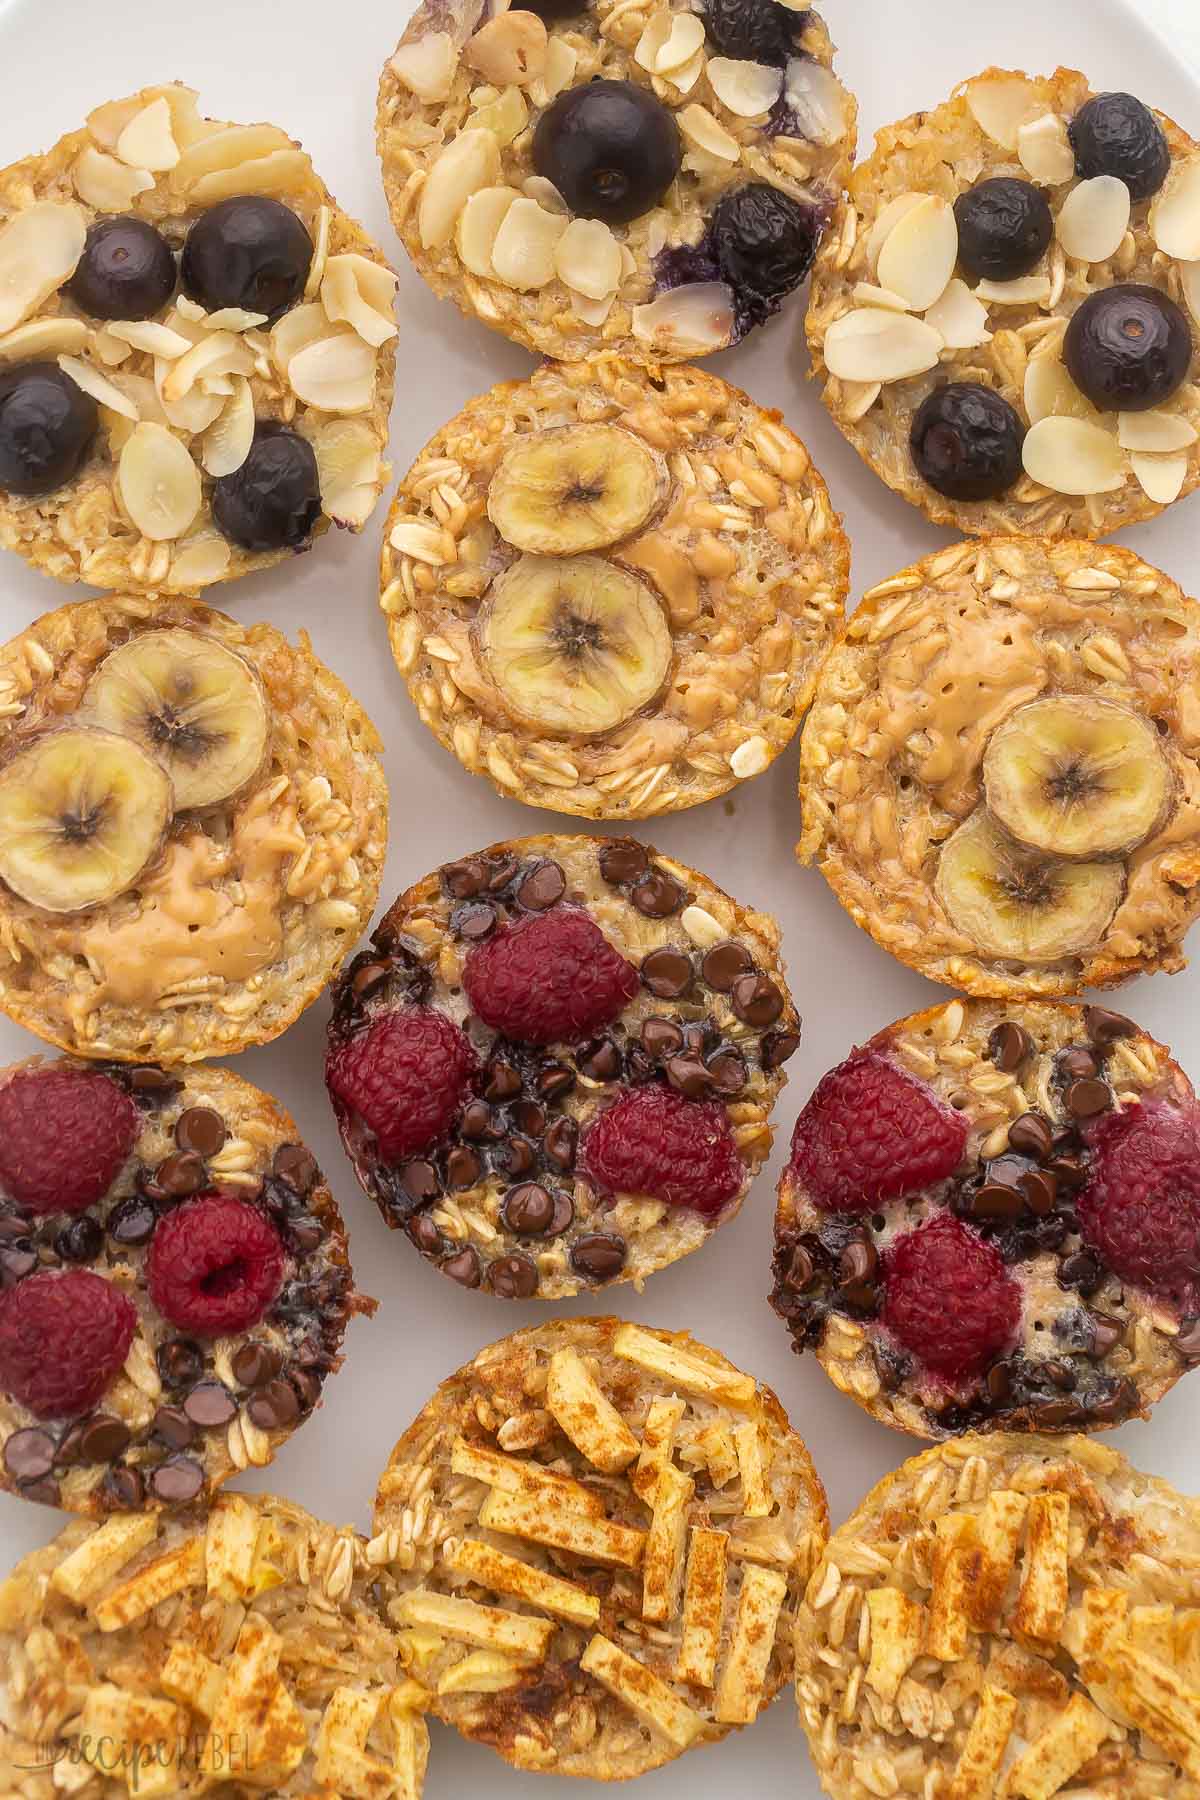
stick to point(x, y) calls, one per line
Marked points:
point(405, 1077)
point(63, 1338)
point(552, 977)
point(64, 1134)
point(214, 1265)
point(873, 1132)
point(949, 1298)
point(1141, 1206)
point(653, 1141)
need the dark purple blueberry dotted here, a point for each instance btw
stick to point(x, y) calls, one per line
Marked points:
point(1128, 348)
point(1114, 134)
point(127, 271)
point(47, 424)
point(1004, 228)
point(610, 148)
point(273, 501)
point(250, 252)
point(966, 441)
point(758, 31)
point(764, 243)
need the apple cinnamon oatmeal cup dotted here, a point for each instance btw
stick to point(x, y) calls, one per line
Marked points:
point(197, 350)
point(599, 1534)
point(1007, 1615)
point(237, 1652)
point(609, 594)
point(1000, 774)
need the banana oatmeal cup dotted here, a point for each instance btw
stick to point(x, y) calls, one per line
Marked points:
point(175, 1283)
point(1000, 774)
point(556, 1065)
point(599, 1534)
point(197, 349)
point(991, 1221)
point(193, 819)
point(1007, 1615)
point(1004, 313)
point(629, 175)
point(233, 1652)
point(609, 594)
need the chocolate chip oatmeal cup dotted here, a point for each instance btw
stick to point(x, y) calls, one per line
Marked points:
point(643, 178)
point(1007, 1615)
point(175, 1283)
point(555, 1067)
point(991, 1221)
point(1004, 313)
point(1000, 774)
point(197, 350)
point(609, 594)
point(239, 1650)
point(599, 1534)
point(193, 819)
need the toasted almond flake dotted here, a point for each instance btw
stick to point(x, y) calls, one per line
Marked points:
point(558, 73)
point(886, 223)
point(295, 331)
point(750, 758)
point(509, 50)
point(142, 391)
point(148, 335)
point(220, 353)
point(959, 317)
point(1189, 276)
point(538, 188)
point(39, 249)
point(1027, 290)
point(424, 543)
point(233, 318)
point(283, 172)
point(1072, 456)
point(478, 223)
point(1001, 106)
point(699, 127)
point(1050, 393)
point(87, 376)
point(869, 344)
point(198, 564)
point(1094, 219)
point(918, 257)
point(195, 411)
point(506, 118)
point(159, 483)
point(335, 374)
point(858, 397)
point(654, 36)
point(350, 469)
point(426, 66)
point(228, 439)
point(523, 253)
point(745, 88)
point(684, 38)
point(698, 318)
point(867, 294)
point(587, 258)
point(1155, 431)
point(469, 162)
point(1044, 150)
point(685, 78)
point(44, 337)
point(1175, 214)
point(1161, 477)
point(227, 152)
point(701, 927)
point(107, 184)
point(592, 312)
point(818, 100)
point(148, 141)
point(362, 293)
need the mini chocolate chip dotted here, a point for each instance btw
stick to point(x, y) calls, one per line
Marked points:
point(463, 880)
point(561, 1142)
point(517, 1156)
point(180, 1363)
point(474, 921)
point(274, 1406)
point(600, 1256)
point(180, 1175)
point(660, 1037)
point(1104, 1027)
point(728, 1072)
point(1123, 1400)
point(999, 1376)
point(667, 973)
point(688, 1075)
point(174, 1427)
point(696, 1038)
point(200, 1130)
point(209, 1404)
point(297, 1167)
point(368, 979)
point(994, 1200)
point(255, 1364)
point(29, 1454)
point(80, 1241)
point(68, 1447)
point(1082, 1271)
point(658, 895)
point(564, 1214)
point(1085, 1099)
point(512, 1278)
point(529, 1117)
point(1050, 1414)
point(1188, 1341)
point(554, 1081)
point(132, 1222)
point(151, 1086)
point(1030, 1135)
point(123, 1488)
point(1009, 1046)
point(12, 1225)
point(103, 1438)
point(177, 1480)
point(1105, 1333)
point(801, 1270)
point(756, 1000)
point(1039, 1191)
point(528, 1210)
point(420, 1181)
point(17, 1261)
point(601, 1061)
point(857, 1268)
point(1068, 1171)
point(1078, 1063)
point(623, 860)
point(463, 1168)
point(477, 1123)
point(43, 1493)
point(778, 1047)
point(544, 888)
point(1060, 1373)
point(724, 963)
point(307, 1386)
point(464, 1268)
point(425, 1235)
point(500, 871)
point(501, 1082)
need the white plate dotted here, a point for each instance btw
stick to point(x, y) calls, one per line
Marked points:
point(312, 66)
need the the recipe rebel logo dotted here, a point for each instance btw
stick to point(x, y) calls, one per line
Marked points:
point(220, 1755)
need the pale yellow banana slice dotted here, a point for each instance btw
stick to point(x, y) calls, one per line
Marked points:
point(574, 646)
point(1014, 904)
point(1077, 777)
point(574, 488)
point(81, 814)
point(190, 702)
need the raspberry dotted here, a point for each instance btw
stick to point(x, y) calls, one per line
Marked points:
point(1141, 1206)
point(64, 1134)
point(553, 977)
point(214, 1265)
point(873, 1132)
point(653, 1141)
point(405, 1078)
point(949, 1298)
point(63, 1338)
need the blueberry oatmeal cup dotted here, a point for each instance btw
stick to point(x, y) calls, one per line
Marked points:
point(609, 595)
point(233, 1651)
point(1007, 1615)
point(1004, 313)
point(193, 819)
point(556, 1065)
point(999, 775)
point(599, 1534)
point(196, 351)
point(175, 1283)
point(645, 177)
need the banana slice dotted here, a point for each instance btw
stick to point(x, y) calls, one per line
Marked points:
point(81, 814)
point(1077, 777)
point(1032, 909)
point(573, 488)
point(574, 646)
point(191, 703)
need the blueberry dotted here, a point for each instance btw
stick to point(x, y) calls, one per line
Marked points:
point(249, 252)
point(1128, 348)
point(46, 428)
point(610, 148)
point(273, 501)
point(1114, 134)
point(1004, 228)
point(551, 11)
point(966, 442)
point(764, 243)
point(752, 30)
point(127, 271)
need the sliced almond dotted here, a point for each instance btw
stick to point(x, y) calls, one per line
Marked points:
point(107, 184)
point(362, 293)
point(335, 374)
point(1050, 393)
point(523, 253)
point(295, 331)
point(592, 312)
point(469, 162)
point(1094, 219)
point(195, 412)
point(588, 258)
point(1175, 214)
point(107, 122)
point(685, 78)
point(1044, 150)
point(39, 249)
point(350, 470)
point(1000, 105)
point(509, 50)
point(1072, 456)
point(226, 151)
point(918, 258)
point(538, 188)
point(283, 172)
point(1027, 290)
point(426, 66)
point(44, 337)
point(142, 391)
point(1161, 478)
point(699, 127)
point(505, 117)
point(869, 344)
point(220, 353)
point(199, 564)
point(558, 73)
point(228, 439)
point(87, 376)
point(153, 338)
point(748, 89)
point(148, 141)
point(478, 223)
point(696, 318)
point(685, 36)
point(232, 318)
point(886, 223)
point(817, 99)
point(159, 483)
point(959, 318)
point(1189, 277)
point(865, 293)
point(658, 29)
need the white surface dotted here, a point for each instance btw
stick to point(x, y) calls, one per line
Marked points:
point(312, 67)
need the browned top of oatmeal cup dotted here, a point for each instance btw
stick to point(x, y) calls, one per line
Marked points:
point(999, 775)
point(928, 278)
point(241, 1642)
point(613, 1517)
point(1008, 1613)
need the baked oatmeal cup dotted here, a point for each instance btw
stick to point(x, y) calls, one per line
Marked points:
point(632, 175)
point(556, 1065)
point(1004, 312)
point(1000, 774)
point(176, 1283)
point(197, 350)
point(599, 1534)
point(991, 1221)
point(235, 1651)
point(609, 594)
point(193, 819)
point(1007, 1615)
